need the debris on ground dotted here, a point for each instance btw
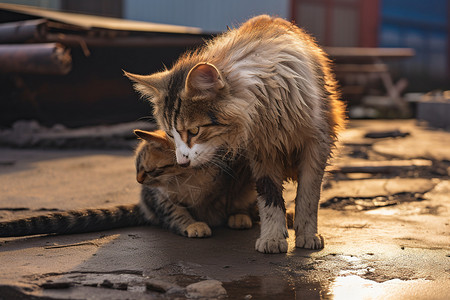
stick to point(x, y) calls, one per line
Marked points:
point(384, 216)
point(30, 134)
point(208, 289)
point(162, 286)
point(388, 166)
point(385, 134)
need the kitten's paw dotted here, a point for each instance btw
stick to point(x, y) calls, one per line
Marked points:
point(267, 245)
point(198, 230)
point(314, 241)
point(240, 221)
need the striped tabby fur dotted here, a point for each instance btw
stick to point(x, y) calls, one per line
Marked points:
point(264, 90)
point(76, 221)
point(190, 200)
point(187, 201)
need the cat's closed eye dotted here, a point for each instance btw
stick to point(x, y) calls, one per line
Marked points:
point(158, 170)
point(154, 172)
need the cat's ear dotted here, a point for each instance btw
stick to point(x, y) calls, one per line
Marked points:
point(157, 137)
point(204, 78)
point(149, 86)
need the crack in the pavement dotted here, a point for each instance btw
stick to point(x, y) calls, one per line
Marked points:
point(369, 203)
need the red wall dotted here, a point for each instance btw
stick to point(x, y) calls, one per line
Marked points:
point(339, 22)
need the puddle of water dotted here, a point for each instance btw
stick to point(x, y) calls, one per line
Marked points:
point(354, 287)
point(273, 287)
point(347, 286)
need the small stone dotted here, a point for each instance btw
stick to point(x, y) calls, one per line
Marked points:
point(59, 128)
point(107, 284)
point(248, 297)
point(206, 289)
point(56, 285)
point(156, 286)
point(161, 286)
point(123, 286)
point(26, 127)
point(94, 284)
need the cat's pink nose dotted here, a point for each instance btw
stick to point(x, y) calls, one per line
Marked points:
point(183, 160)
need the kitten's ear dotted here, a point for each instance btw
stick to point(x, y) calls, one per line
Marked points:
point(204, 78)
point(150, 86)
point(157, 137)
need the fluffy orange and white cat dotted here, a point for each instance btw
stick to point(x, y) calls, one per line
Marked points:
point(264, 90)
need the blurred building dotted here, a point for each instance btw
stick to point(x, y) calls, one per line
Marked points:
point(425, 27)
point(421, 25)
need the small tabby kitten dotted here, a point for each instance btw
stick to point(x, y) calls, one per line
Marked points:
point(187, 201)
point(190, 200)
point(264, 90)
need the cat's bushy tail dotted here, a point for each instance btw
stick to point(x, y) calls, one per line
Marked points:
point(75, 221)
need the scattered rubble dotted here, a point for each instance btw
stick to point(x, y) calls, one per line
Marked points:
point(56, 285)
point(384, 218)
point(30, 134)
point(107, 284)
point(368, 203)
point(162, 286)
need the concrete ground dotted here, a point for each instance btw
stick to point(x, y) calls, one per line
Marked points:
point(386, 226)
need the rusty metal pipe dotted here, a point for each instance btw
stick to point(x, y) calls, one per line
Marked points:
point(49, 58)
point(23, 31)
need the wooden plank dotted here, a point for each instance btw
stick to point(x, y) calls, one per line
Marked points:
point(361, 68)
point(355, 52)
point(91, 22)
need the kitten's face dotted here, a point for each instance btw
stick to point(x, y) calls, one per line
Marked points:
point(189, 106)
point(155, 159)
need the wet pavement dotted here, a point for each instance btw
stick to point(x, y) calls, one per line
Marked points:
point(387, 230)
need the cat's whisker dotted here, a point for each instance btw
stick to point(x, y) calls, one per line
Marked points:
point(146, 118)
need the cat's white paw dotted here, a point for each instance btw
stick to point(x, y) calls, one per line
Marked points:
point(267, 245)
point(198, 230)
point(240, 221)
point(313, 241)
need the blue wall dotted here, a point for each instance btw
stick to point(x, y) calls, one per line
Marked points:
point(210, 15)
point(422, 25)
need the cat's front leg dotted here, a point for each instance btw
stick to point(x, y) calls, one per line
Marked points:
point(272, 213)
point(197, 230)
point(176, 218)
point(242, 206)
point(240, 221)
point(182, 221)
point(312, 168)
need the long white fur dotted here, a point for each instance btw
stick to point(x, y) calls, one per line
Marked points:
point(195, 155)
point(271, 240)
